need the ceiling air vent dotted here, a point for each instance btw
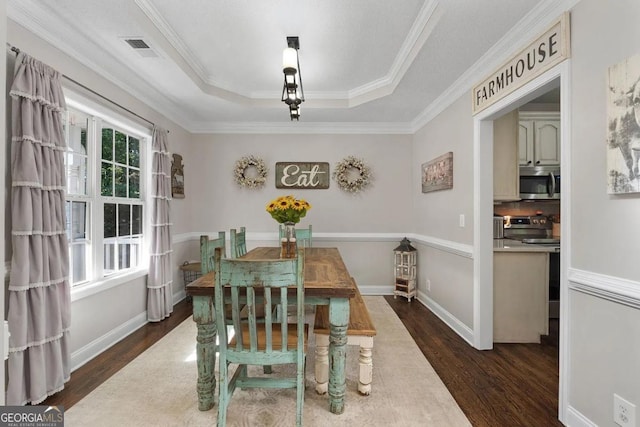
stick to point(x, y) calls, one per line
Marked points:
point(137, 43)
point(141, 47)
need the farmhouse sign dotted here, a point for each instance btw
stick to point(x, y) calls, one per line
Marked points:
point(545, 52)
point(301, 175)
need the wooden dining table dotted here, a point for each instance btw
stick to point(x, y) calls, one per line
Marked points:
point(326, 282)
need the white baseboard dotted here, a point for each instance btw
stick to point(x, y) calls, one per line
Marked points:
point(179, 296)
point(97, 346)
point(576, 419)
point(465, 332)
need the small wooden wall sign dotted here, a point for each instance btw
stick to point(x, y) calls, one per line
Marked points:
point(301, 175)
point(437, 174)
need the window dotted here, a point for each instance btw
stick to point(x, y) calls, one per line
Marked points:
point(78, 203)
point(105, 203)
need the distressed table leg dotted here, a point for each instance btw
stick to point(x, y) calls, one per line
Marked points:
point(204, 316)
point(339, 322)
point(322, 363)
point(366, 365)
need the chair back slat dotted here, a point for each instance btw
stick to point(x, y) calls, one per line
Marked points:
point(238, 242)
point(268, 320)
point(251, 318)
point(284, 326)
point(236, 309)
point(207, 251)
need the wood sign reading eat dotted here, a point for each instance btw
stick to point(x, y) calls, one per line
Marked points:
point(312, 175)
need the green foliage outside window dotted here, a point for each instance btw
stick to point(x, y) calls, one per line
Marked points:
point(120, 177)
point(120, 173)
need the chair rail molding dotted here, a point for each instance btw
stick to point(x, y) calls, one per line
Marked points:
point(460, 249)
point(616, 289)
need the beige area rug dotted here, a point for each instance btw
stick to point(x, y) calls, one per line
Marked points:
point(158, 388)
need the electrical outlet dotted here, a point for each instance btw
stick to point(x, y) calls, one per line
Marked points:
point(624, 412)
point(428, 285)
point(462, 220)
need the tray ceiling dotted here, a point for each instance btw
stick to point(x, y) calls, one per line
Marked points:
point(216, 66)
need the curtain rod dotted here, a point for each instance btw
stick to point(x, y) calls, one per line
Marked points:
point(17, 51)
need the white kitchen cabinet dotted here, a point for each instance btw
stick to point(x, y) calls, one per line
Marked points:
point(506, 185)
point(539, 139)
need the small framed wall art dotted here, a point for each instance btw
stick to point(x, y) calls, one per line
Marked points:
point(437, 174)
point(177, 177)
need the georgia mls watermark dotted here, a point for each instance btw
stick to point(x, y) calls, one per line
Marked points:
point(31, 416)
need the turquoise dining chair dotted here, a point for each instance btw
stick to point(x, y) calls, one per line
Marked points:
point(238, 242)
point(303, 236)
point(251, 283)
point(207, 251)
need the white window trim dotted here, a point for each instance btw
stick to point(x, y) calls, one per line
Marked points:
point(106, 114)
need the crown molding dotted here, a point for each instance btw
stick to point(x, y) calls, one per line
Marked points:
point(529, 26)
point(38, 23)
point(425, 22)
point(532, 24)
point(185, 59)
point(348, 128)
point(167, 31)
point(419, 32)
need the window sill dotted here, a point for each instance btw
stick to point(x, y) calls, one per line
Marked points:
point(95, 287)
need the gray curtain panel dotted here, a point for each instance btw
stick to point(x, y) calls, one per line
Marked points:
point(159, 285)
point(39, 293)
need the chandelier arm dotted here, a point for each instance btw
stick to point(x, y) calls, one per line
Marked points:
point(300, 78)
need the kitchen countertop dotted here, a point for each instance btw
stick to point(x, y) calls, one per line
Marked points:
point(509, 245)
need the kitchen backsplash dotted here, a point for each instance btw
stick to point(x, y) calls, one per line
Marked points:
point(547, 208)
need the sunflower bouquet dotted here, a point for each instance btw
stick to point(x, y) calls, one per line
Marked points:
point(288, 209)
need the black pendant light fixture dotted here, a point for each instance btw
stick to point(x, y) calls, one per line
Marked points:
point(292, 92)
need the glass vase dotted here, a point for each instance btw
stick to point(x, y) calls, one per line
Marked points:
point(289, 246)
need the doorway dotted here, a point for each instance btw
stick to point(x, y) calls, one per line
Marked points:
point(558, 77)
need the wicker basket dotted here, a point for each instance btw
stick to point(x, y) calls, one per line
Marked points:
point(190, 271)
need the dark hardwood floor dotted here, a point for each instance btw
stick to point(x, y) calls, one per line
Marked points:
point(511, 385)
point(89, 376)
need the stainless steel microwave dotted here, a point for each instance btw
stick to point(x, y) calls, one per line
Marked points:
point(539, 182)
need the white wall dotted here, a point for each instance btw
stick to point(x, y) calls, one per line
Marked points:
point(604, 342)
point(217, 203)
point(437, 214)
point(381, 208)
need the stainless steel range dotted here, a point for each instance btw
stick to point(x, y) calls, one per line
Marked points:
point(535, 230)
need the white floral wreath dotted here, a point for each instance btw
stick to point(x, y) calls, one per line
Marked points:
point(343, 174)
point(241, 168)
